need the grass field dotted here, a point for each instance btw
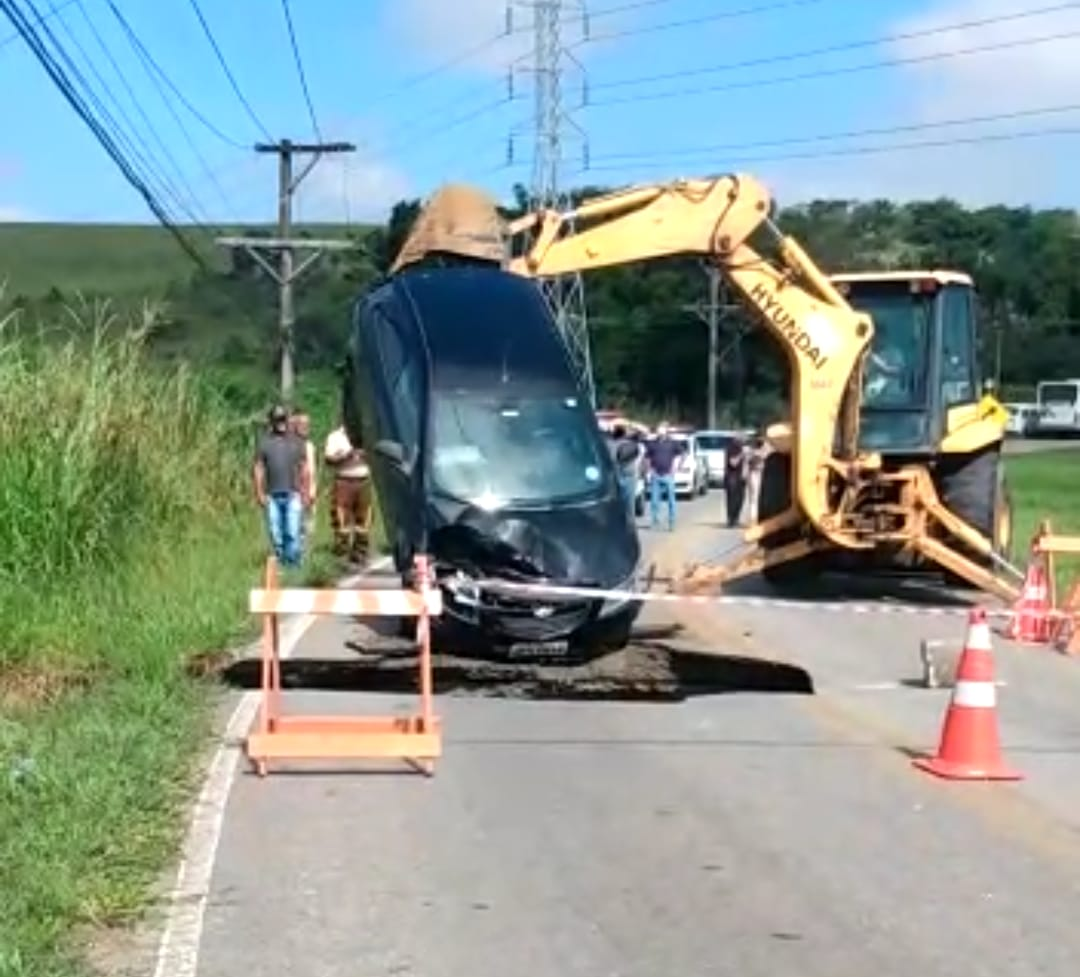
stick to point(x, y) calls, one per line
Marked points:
point(128, 542)
point(1046, 485)
point(121, 260)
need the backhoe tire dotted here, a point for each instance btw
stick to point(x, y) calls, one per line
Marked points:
point(975, 489)
point(774, 497)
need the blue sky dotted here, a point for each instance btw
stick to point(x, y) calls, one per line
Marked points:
point(369, 66)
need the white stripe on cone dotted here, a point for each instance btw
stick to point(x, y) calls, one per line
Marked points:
point(975, 695)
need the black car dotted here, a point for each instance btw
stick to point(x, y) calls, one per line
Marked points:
point(487, 455)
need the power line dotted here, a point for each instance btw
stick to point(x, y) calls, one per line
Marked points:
point(843, 134)
point(300, 68)
point(168, 82)
point(33, 41)
point(225, 68)
point(451, 123)
point(155, 135)
point(147, 67)
point(438, 69)
point(760, 8)
point(873, 150)
point(15, 35)
point(135, 145)
point(832, 48)
point(836, 72)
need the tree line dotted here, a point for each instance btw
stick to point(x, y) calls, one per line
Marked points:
point(649, 346)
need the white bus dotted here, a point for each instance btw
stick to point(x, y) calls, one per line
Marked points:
point(1059, 406)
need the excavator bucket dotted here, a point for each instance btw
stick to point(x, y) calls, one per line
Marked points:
point(457, 220)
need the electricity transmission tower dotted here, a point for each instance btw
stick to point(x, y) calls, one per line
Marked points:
point(555, 129)
point(285, 245)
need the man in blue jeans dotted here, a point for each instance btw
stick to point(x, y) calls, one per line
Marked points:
point(662, 454)
point(282, 485)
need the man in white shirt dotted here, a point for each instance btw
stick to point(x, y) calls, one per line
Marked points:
point(350, 513)
point(301, 427)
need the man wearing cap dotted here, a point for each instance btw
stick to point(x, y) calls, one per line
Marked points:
point(282, 485)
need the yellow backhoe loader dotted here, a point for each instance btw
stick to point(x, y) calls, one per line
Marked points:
point(892, 455)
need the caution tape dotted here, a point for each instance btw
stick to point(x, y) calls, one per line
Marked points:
point(738, 600)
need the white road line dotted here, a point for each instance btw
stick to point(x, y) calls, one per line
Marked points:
point(178, 950)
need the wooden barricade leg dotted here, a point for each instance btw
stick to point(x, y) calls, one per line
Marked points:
point(423, 649)
point(270, 684)
point(415, 739)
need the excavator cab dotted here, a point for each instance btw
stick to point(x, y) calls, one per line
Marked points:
point(921, 376)
point(922, 397)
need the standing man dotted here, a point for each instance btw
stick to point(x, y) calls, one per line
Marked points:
point(350, 511)
point(662, 454)
point(755, 465)
point(301, 427)
point(734, 481)
point(624, 452)
point(282, 485)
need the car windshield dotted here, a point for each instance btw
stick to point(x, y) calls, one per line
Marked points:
point(531, 450)
point(1057, 393)
point(713, 442)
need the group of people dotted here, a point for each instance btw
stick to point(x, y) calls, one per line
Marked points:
point(286, 481)
point(743, 464)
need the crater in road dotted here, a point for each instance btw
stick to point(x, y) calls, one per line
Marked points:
point(656, 666)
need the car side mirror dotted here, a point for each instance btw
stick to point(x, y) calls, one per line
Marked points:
point(392, 451)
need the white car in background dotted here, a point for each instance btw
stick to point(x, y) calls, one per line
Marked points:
point(1023, 419)
point(713, 447)
point(691, 473)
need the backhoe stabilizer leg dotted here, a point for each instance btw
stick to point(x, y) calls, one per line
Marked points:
point(699, 577)
point(944, 555)
point(979, 577)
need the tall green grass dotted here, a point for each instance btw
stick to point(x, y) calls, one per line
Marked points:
point(128, 542)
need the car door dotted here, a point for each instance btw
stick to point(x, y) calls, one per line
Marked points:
point(399, 405)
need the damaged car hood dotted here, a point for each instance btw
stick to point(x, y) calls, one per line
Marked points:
point(572, 546)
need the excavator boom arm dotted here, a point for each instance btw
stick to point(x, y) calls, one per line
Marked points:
point(823, 337)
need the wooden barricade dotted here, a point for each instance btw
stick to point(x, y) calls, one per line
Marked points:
point(1065, 630)
point(417, 739)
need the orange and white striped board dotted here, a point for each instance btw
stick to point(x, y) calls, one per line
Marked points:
point(353, 603)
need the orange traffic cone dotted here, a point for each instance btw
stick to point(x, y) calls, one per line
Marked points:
point(970, 748)
point(1031, 613)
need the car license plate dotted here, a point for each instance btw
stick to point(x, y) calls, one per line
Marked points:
point(539, 649)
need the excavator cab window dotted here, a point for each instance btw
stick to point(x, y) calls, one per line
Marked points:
point(896, 381)
point(959, 361)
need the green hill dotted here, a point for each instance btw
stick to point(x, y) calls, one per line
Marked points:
point(122, 260)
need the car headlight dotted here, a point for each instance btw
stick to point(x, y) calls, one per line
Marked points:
point(634, 584)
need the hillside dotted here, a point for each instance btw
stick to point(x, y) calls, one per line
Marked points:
point(115, 259)
point(648, 347)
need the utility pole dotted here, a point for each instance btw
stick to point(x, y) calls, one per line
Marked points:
point(554, 128)
point(711, 313)
point(286, 246)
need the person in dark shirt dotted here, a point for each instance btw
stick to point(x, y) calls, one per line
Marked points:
point(735, 470)
point(282, 487)
point(624, 452)
point(662, 454)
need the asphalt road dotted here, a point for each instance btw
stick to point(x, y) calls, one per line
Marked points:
point(745, 833)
